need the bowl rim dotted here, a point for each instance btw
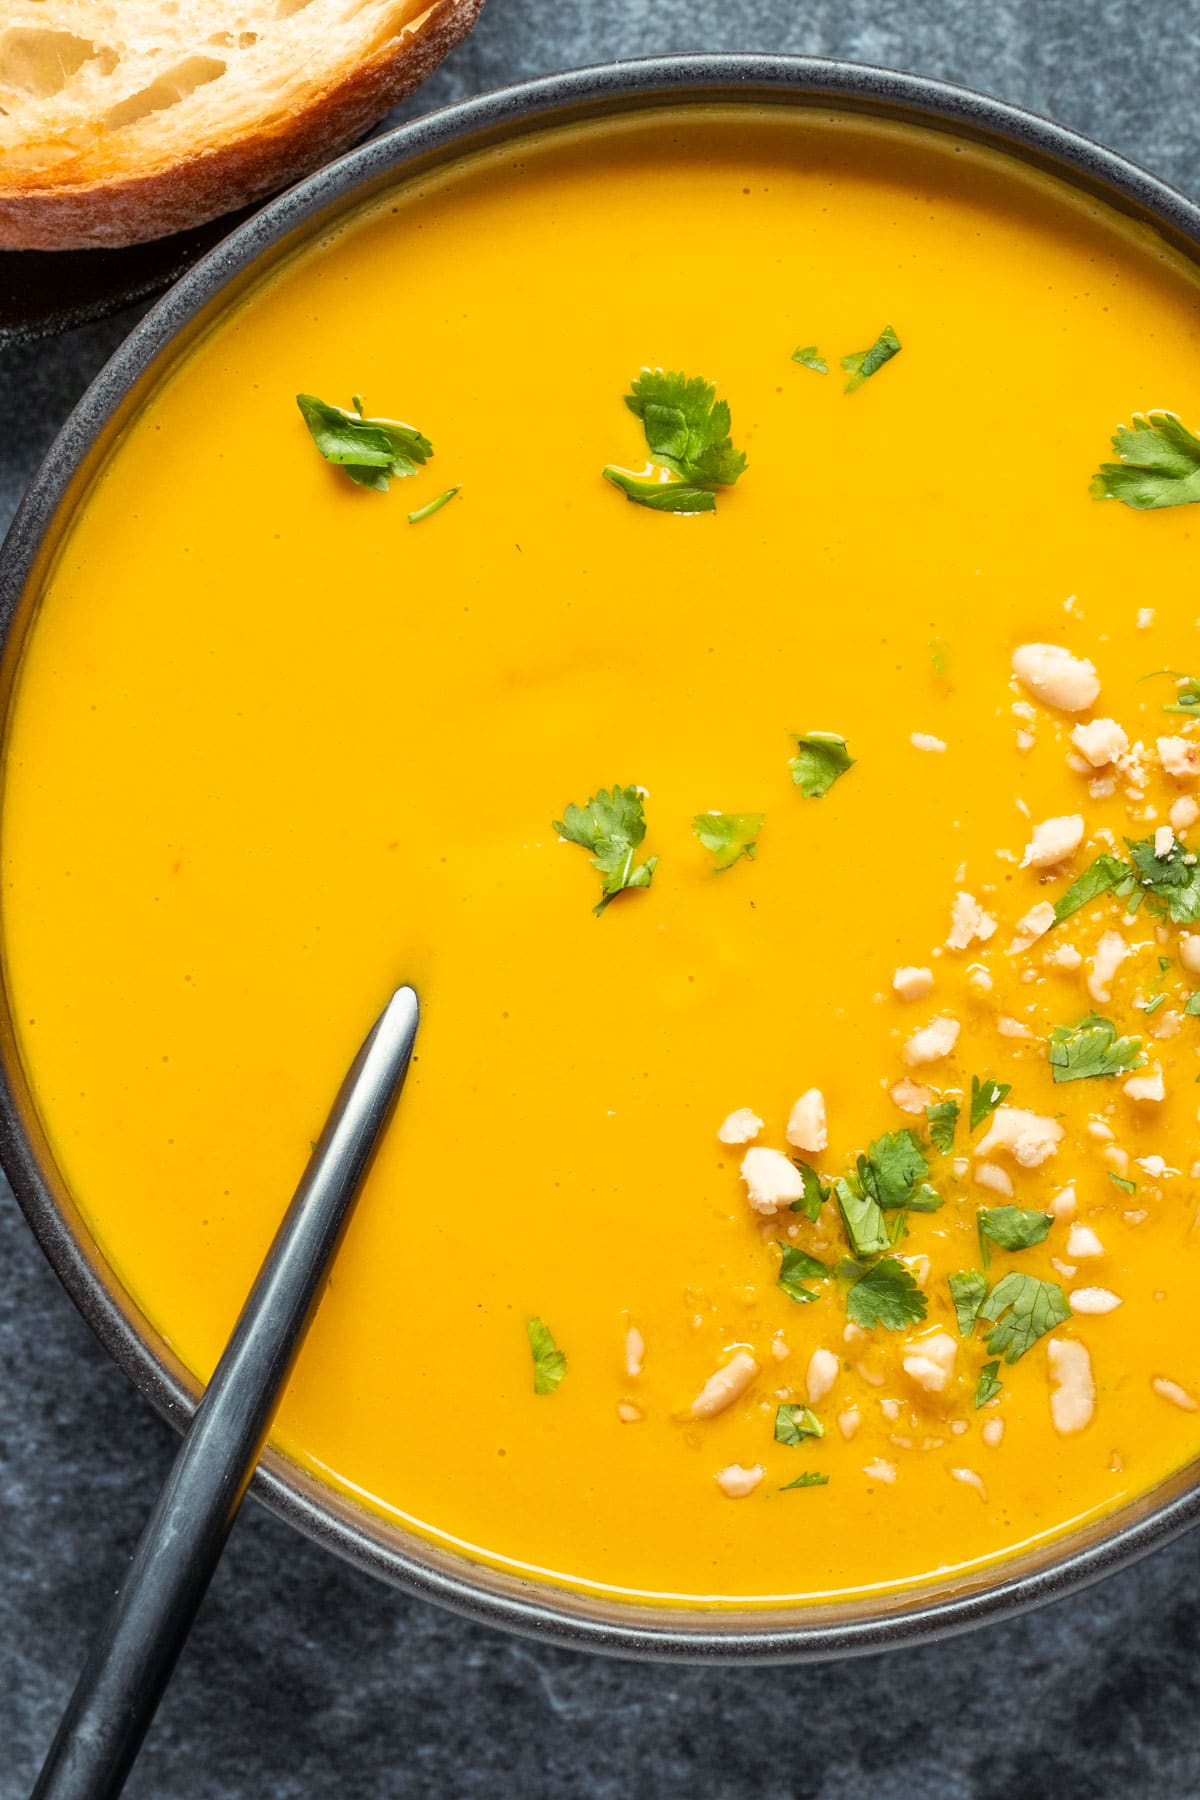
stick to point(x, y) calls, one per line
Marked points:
point(475, 1589)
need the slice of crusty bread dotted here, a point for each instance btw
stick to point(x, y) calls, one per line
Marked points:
point(123, 120)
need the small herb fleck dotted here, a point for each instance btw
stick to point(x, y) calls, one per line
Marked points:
point(810, 358)
point(988, 1385)
point(793, 1424)
point(427, 512)
point(729, 836)
point(821, 759)
point(986, 1095)
point(549, 1362)
point(861, 364)
point(796, 1268)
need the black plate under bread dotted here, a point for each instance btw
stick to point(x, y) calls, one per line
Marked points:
point(43, 292)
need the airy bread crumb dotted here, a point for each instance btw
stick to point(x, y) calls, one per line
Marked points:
point(122, 123)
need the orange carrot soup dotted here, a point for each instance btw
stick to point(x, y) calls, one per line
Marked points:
point(721, 622)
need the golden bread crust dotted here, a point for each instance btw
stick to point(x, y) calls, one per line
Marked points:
point(40, 213)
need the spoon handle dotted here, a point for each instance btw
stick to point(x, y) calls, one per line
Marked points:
point(132, 1658)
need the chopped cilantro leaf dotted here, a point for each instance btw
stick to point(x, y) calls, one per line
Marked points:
point(662, 496)
point(986, 1095)
point(1187, 697)
point(810, 358)
point(864, 1223)
point(370, 450)
point(815, 1191)
point(549, 1362)
point(797, 1267)
point(860, 364)
point(1092, 1051)
point(1014, 1227)
point(1172, 878)
point(1187, 692)
point(886, 1295)
point(1022, 1309)
point(1193, 1005)
point(989, 1384)
point(1100, 877)
point(810, 1478)
point(943, 1120)
point(611, 826)
point(1159, 464)
point(687, 431)
point(967, 1291)
point(924, 1198)
point(686, 426)
point(729, 836)
point(891, 1173)
point(821, 759)
point(1122, 1181)
point(795, 1423)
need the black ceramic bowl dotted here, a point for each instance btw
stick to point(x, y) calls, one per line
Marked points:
point(423, 1568)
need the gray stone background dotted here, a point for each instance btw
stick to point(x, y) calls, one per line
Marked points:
point(304, 1678)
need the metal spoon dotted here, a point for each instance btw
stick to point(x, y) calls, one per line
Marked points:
point(133, 1655)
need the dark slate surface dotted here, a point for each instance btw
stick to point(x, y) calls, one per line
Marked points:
point(304, 1678)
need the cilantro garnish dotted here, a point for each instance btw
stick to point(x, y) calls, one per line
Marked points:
point(886, 1295)
point(687, 431)
point(860, 364)
point(662, 496)
point(1092, 1051)
point(797, 1267)
point(864, 1223)
point(967, 1291)
point(611, 826)
point(810, 358)
point(815, 1191)
point(427, 512)
point(891, 1173)
point(986, 1095)
point(1123, 1182)
point(1159, 464)
point(1014, 1227)
point(370, 450)
point(988, 1385)
point(1100, 877)
point(1193, 1005)
point(795, 1423)
point(1187, 697)
point(810, 1478)
point(821, 759)
point(1187, 692)
point(549, 1362)
point(943, 1120)
point(1173, 879)
point(1022, 1309)
point(729, 836)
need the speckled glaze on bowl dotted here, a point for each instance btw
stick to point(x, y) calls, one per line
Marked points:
point(491, 1596)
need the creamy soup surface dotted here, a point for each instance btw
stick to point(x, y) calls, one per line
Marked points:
point(274, 749)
